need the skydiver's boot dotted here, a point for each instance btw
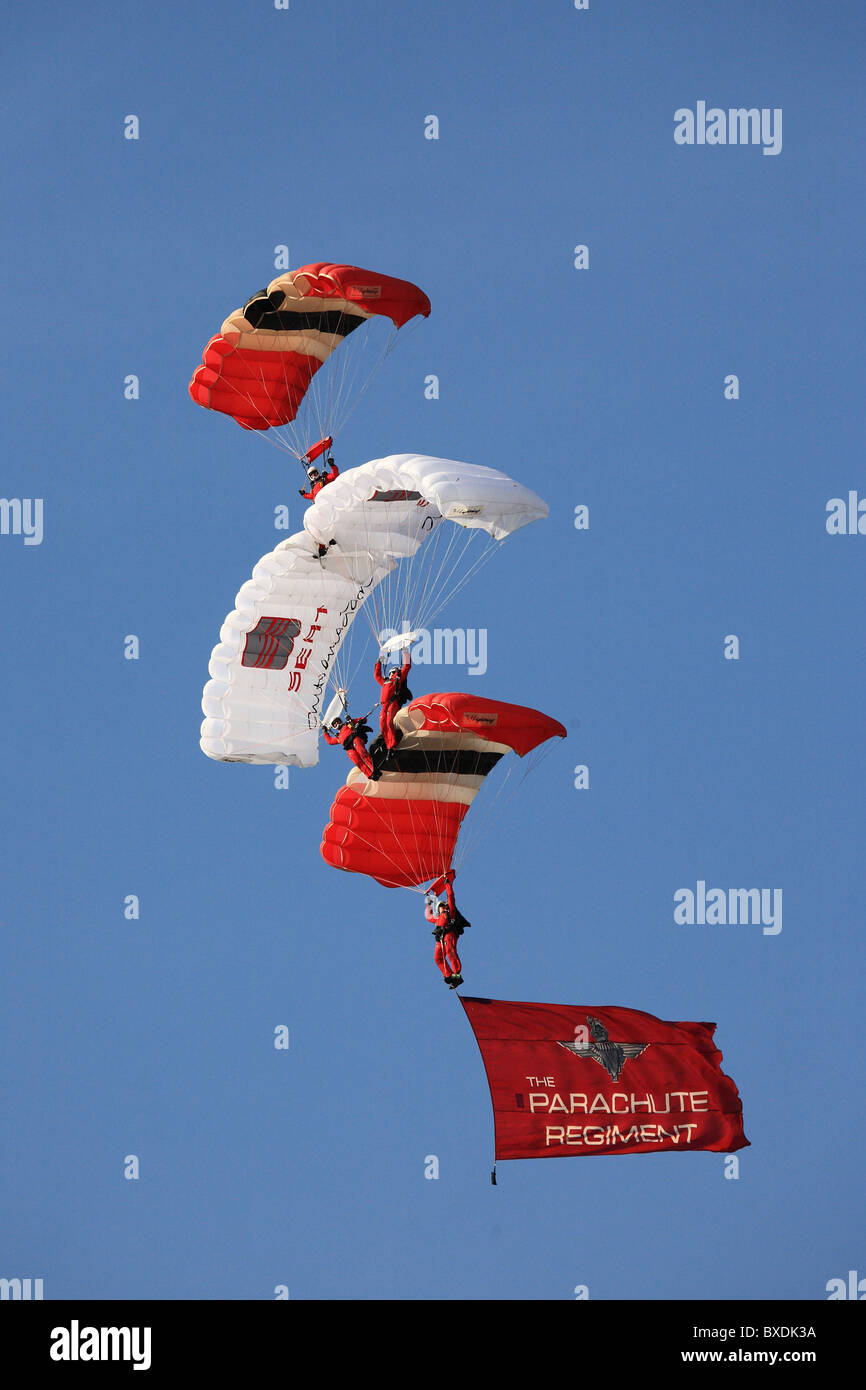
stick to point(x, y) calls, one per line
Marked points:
point(455, 980)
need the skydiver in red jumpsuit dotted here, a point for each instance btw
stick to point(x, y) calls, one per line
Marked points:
point(448, 924)
point(395, 694)
point(319, 480)
point(351, 734)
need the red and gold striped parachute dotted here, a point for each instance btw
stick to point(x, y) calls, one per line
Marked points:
point(402, 829)
point(259, 367)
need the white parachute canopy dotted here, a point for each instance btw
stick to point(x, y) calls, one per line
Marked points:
point(287, 635)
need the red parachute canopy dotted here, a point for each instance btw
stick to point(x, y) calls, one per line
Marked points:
point(402, 829)
point(258, 367)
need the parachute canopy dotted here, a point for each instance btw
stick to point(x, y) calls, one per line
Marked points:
point(258, 368)
point(281, 645)
point(402, 829)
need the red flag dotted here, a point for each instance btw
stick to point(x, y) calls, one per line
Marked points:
point(567, 1079)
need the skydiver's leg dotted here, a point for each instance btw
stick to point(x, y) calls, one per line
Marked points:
point(361, 761)
point(392, 735)
point(361, 757)
point(451, 955)
point(384, 718)
point(439, 957)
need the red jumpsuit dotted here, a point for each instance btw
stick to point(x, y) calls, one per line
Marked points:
point(392, 698)
point(354, 744)
point(445, 950)
point(332, 473)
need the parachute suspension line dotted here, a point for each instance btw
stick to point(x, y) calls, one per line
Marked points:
point(345, 669)
point(413, 593)
point(362, 365)
point(357, 368)
point(328, 391)
point(355, 395)
point(420, 597)
point(430, 574)
point(336, 389)
point(272, 437)
point(292, 433)
point(482, 827)
point(290, 442)
point(341, 375)
point(414, 597)
point(468, 844)
point(489, 549)
point(389, 343)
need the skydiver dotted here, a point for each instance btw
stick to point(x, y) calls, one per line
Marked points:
point(351, 734)
point(319, 480)
point(394, 695)
point(449, 924)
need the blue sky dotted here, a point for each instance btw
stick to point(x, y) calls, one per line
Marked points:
point(601, 387)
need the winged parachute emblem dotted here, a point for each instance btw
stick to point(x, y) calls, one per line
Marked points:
point(610, 1055)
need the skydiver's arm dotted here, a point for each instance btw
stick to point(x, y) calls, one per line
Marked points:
point(332, 473)
point(405, 668)
point(377, 672)
point(329, 738)
point(309, 495)
point(449, 893)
